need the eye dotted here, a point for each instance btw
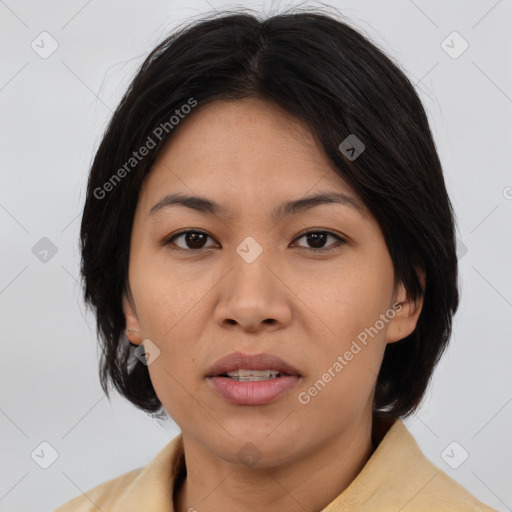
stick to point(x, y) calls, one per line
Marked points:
point(319, 238)
point(194, 240)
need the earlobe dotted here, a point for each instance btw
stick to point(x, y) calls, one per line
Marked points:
point(132, 331)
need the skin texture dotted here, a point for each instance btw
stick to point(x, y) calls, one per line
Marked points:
point(304, 306)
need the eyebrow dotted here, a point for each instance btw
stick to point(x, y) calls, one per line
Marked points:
point(205, 205)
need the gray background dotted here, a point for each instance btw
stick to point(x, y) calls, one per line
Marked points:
point(53, 113)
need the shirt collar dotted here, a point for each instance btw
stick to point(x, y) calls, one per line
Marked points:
point(396, 474)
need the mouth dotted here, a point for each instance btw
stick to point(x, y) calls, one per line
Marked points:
point(243, 379)
point(252, 375)
point(252, 367)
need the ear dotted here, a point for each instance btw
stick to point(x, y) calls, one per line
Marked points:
point(132, 322)
point(407, 312)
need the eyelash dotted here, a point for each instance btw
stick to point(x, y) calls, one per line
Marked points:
point(170, 240)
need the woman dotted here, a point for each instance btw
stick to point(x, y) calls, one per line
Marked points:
point(268, 246)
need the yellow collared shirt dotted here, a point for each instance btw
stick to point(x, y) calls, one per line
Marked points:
point(397, 477)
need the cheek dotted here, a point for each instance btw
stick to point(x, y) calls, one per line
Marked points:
point(353, 300)
point(173, 393)
point(169, 297)
point(345, 361)
point(348, 351)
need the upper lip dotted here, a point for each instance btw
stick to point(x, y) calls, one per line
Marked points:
point(239, 360)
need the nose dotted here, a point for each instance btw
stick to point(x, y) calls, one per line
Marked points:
point(253, 297)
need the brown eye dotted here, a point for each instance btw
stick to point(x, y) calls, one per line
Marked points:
point(318, 239)
point(196, 240)
point(193, 240)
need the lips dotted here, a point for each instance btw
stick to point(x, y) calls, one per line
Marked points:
point(240, 360)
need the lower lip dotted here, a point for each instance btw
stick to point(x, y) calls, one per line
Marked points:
point(253, 393)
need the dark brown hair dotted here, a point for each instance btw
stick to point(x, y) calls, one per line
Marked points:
point(329, 75)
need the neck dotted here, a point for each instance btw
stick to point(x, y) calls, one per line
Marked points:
point(309, 481)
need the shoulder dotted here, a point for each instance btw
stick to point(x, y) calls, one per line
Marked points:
point(421, 484)
point(444, 494)
point(145, 488)
point(103, 496)
point(398, 476)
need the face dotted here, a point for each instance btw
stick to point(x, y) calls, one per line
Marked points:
point(302, 284)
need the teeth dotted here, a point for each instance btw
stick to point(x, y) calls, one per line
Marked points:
point(252, 375)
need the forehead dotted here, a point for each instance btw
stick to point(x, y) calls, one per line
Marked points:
point(241, 153)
